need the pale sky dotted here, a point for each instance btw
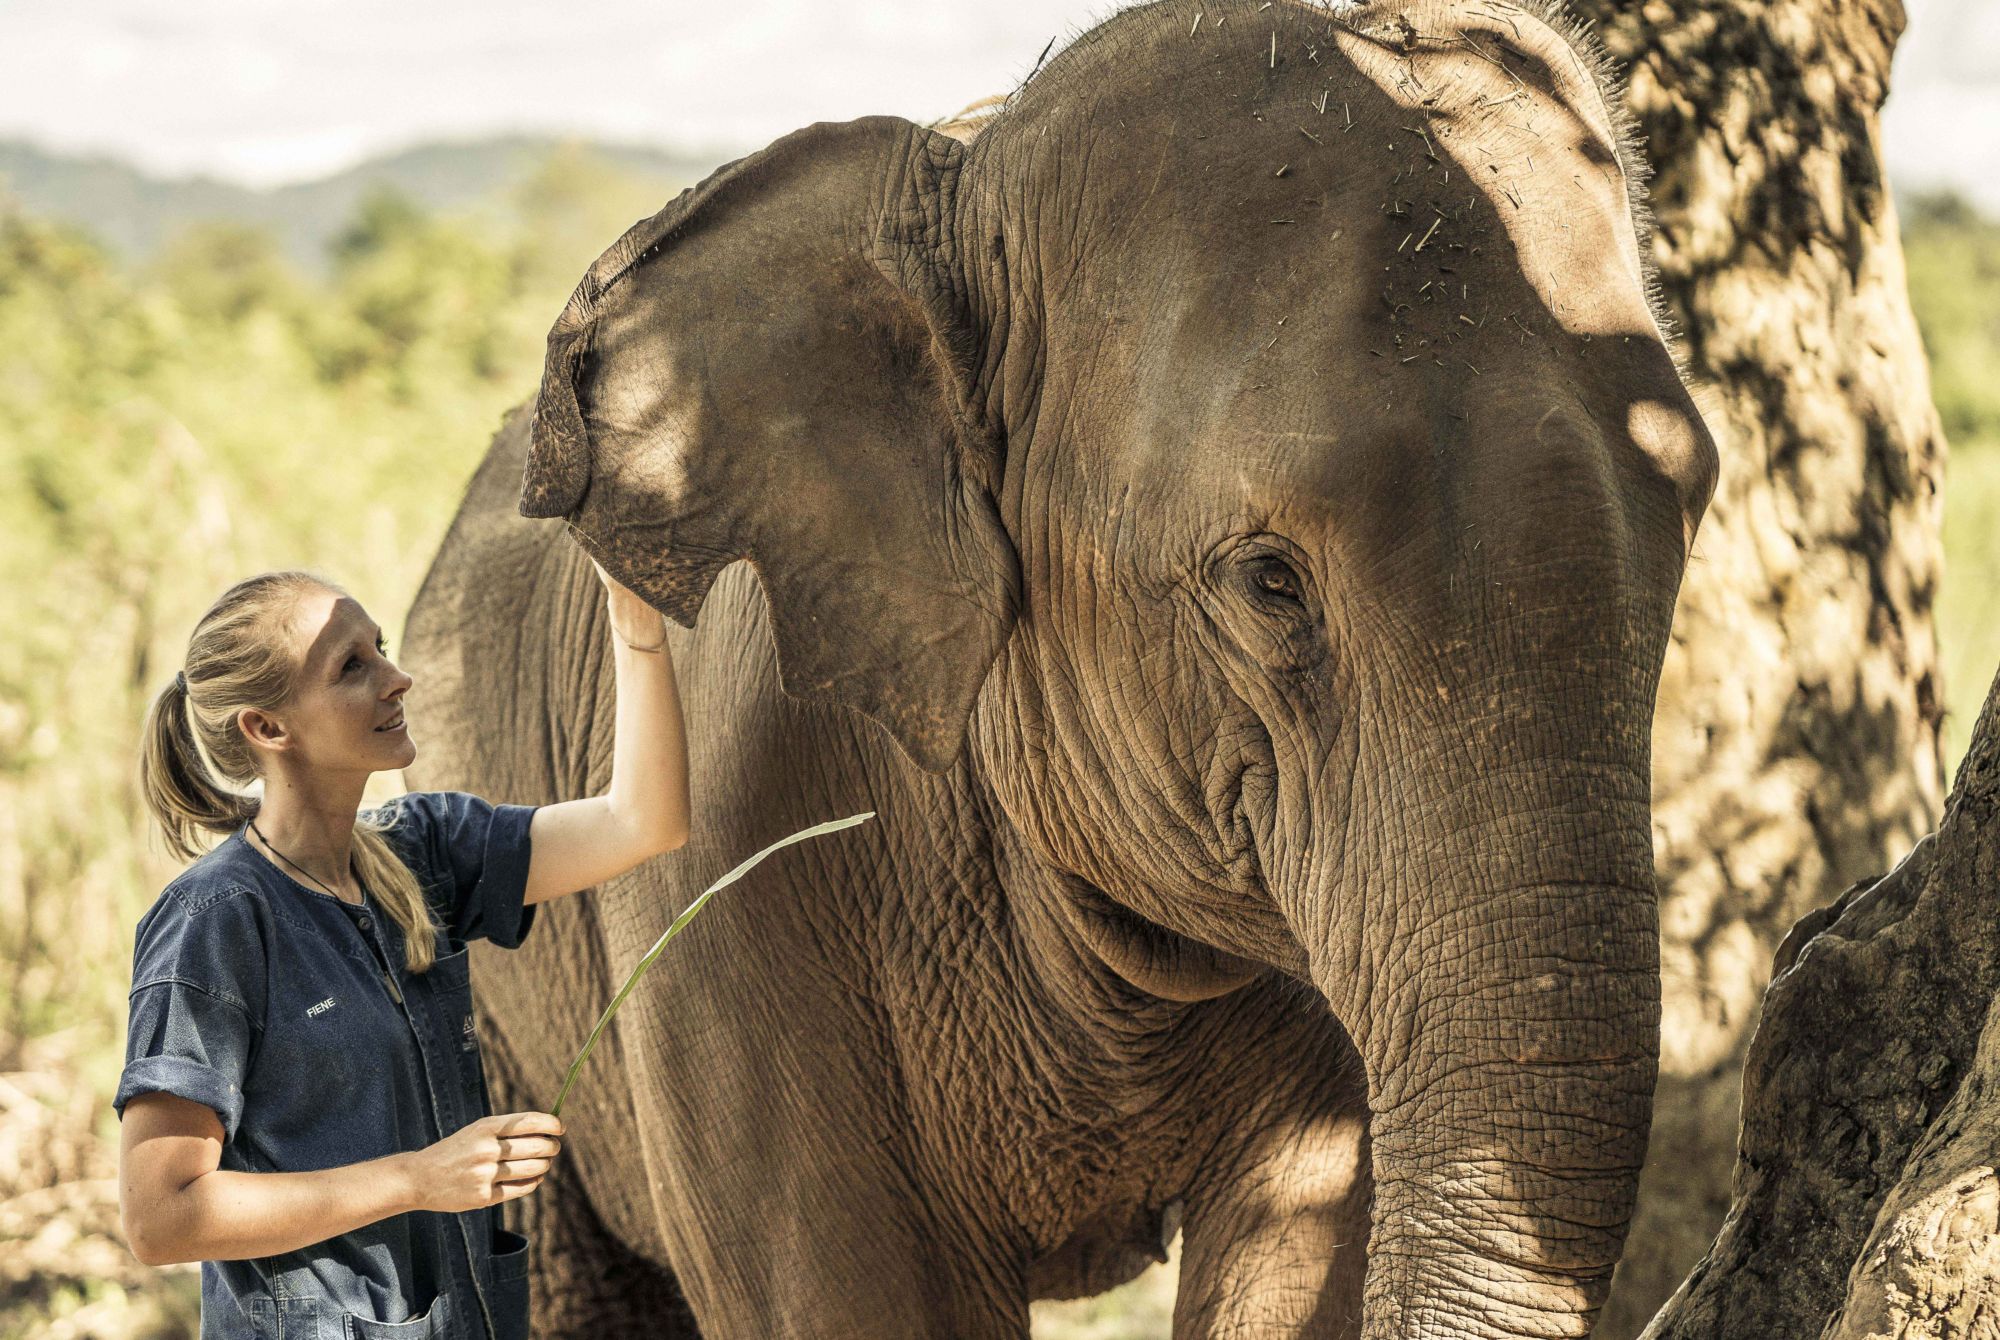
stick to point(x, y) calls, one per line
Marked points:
point(268, 91)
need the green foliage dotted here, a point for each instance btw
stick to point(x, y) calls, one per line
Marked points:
point(417, 302)
point(223, 273)
point(1968, 629)
point(1952, 253)
point(167, 429)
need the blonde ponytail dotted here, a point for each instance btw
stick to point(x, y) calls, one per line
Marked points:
point(175, 782)
point(194, 760)
point(395, 888)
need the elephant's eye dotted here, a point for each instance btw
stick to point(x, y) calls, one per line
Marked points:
point(1267, 603)
point(1274, 579)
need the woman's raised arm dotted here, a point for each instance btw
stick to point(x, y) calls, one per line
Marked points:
point(579, 843)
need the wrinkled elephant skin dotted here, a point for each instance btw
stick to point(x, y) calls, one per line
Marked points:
point(1225, 517)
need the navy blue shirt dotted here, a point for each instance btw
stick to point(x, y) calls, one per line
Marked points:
point(271, 1002)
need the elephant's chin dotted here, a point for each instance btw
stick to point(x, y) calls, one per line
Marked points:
point(1150, 957)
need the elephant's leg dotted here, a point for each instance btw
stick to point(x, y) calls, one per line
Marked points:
point(795, 1192)
point(844, 1247)
point(1280, 1248)
point(583, 1283)
point(1274, 1238)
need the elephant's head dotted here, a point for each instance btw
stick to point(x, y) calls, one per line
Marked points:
point(1259, 442)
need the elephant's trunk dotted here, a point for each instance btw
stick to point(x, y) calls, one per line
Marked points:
point(1506, 1154)
point(1508, 1014)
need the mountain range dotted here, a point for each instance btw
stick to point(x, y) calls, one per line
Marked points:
point(134, 212)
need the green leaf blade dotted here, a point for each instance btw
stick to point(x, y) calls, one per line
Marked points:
point(679, 924)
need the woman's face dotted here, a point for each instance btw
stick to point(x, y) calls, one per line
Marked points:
point(348, 690)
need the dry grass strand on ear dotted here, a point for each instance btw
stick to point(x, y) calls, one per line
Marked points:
point(679, 923)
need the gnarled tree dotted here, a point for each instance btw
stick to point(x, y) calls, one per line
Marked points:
point(1796, 747)
point(1866, 1201)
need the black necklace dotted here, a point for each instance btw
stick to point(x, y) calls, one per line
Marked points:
point(294, 864)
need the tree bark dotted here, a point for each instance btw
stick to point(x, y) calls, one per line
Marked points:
point(1866, 1202)
point(1796, 747)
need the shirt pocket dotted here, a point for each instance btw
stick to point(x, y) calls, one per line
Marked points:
point(508, 1269)
point(277, 1319)
point(434, 1323)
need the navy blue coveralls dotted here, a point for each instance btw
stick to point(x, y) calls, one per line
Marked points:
point(276, 1004)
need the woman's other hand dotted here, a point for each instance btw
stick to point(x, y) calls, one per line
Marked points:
point(487, 1161)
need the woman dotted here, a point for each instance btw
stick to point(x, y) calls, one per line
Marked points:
point(303, 1105)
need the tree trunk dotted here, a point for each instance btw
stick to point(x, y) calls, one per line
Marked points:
point(1796, 747)
point(1866, 1202)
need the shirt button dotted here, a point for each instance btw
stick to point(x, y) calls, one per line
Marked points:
point(365, 922)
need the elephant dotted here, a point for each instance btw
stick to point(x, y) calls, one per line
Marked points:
point(1224, 514)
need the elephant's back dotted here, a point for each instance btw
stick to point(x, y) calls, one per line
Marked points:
point(965, 124)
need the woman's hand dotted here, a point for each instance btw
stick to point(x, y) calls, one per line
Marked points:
point(632, 619)
point(580, 844)
point(490, 1160)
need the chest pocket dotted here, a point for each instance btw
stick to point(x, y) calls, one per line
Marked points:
point(434, 1323)
point(280, 1319)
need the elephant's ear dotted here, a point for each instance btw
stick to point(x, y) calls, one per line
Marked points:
point(776, 367)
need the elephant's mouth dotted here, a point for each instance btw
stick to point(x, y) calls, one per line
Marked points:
point(1253, 788)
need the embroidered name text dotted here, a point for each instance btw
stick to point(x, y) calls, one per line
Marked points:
point(320, 1008)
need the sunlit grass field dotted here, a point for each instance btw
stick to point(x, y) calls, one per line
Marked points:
point(1969, 602)
point(167, 427)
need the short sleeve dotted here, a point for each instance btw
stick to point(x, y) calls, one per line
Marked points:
point(477, 856)
point(197, 1001)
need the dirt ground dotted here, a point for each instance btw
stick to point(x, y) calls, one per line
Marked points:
point(65, 1272)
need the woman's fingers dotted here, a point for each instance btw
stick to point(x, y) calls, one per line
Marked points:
point(529, 1147)
point(514, 1190)
point(514, 1170)
point(623, 599)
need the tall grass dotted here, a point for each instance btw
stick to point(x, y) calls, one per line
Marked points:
point(1969, 600)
